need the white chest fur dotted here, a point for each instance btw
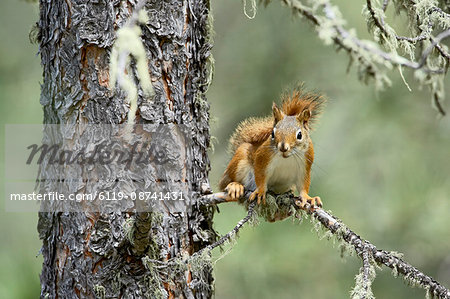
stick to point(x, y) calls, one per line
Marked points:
point(284, 173)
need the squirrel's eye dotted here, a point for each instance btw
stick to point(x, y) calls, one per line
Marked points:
point(273, 133)
point(299, 134)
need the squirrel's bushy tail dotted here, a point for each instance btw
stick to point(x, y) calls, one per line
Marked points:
point(252, 130)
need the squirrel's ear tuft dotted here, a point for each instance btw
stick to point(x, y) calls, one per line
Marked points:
point(304, 116)
point(277, 113)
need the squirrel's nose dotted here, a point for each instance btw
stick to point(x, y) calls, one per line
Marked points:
point(283, 147)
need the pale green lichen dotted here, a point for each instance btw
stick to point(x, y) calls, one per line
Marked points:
point(363, 285)
point(396, 254)
point(277, 207)
point(153, 279)
point(129, 44)
point(199, 266)
point(297, 215)
point(394, 271)
point(210, 62)
point(213, 140)
point(411, 281)
point(128, 228)
point(99, 291)
point(337, 237)
point(253, 13)
point(345, 248)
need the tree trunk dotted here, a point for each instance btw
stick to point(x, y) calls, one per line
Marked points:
point(91, 253)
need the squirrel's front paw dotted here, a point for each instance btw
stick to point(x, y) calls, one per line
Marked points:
point(235, 190)
point(259, 194)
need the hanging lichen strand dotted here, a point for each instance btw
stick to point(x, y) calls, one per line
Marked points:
point(422, 51)
point(128, 43)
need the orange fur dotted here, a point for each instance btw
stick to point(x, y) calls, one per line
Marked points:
point(261, 159)
point(252, 130)
point(299, 101)
point(240, 161)
point(309, 159)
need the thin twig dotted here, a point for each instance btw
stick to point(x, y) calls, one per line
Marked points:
point(236, 229)
point(440, 11)
point(438, 104)
point(378, 23)
point(442, 51)
point(436, 40)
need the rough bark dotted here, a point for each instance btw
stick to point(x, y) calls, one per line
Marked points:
point(88, 254)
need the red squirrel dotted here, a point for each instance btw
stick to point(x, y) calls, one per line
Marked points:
point(276, 152)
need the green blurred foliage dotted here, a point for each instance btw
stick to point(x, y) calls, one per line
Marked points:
point(382, 159)
point(20, 74)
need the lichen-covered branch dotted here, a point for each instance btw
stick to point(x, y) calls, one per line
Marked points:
point(423, 51)
point(363, 248)
point(383, 257)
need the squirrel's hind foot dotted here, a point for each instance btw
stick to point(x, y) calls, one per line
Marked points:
point(260, 195)
point(314, 202)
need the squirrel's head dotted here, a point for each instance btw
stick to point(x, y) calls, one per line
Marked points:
point(290, 134)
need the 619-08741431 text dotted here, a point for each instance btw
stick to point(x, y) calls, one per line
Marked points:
point(102, 196)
